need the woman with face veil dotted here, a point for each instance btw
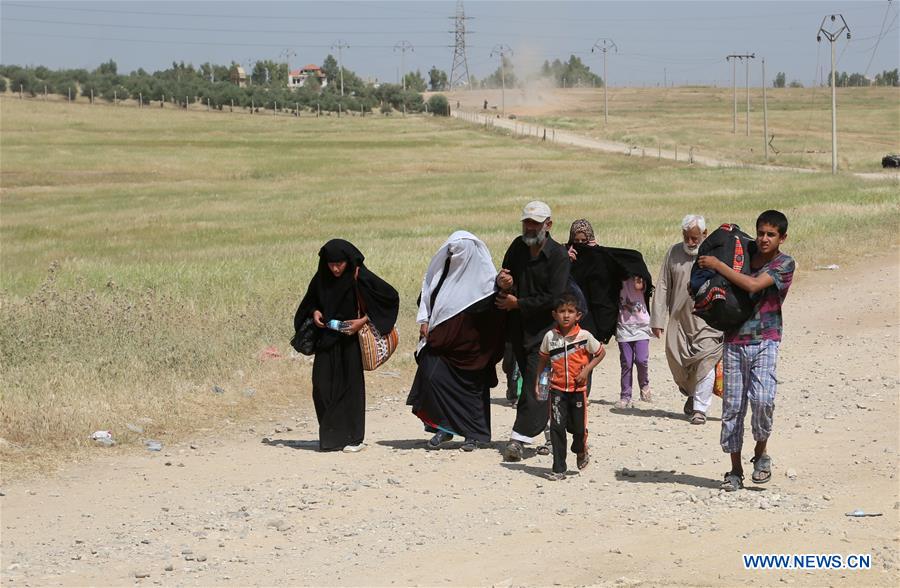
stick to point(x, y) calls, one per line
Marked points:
point(462, 341)
point(341, 282)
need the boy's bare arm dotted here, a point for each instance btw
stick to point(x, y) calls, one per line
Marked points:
point(542, 364)
point(582, 377)
point(752, 284)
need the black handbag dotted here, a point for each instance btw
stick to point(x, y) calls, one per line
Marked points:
point(304, 340)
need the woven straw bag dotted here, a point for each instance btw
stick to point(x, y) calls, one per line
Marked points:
point(376, 348)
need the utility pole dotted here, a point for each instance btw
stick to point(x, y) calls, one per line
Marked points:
point(733, 59)
point(403, 47)
point(340, 45)
point(603, 45)
point(502, 51)
point(748, 91)
point(286, 55)
point(832, 36)
point(459, 71)
point(765, 113)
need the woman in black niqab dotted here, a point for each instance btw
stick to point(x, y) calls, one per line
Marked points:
point(339, 389)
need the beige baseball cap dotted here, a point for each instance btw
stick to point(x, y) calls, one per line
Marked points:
point(536, 210)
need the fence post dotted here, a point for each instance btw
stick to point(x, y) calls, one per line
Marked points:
point(691, 153)
point(232, 105)
point(318, 110)
point(45, 91)
point(92, 95)
point(275, 110)
point(140, 99)
point(658, 150)
point(676, 152)
point(69, 94)
point(252, 106)
point(185, 102)
point(115, 98)
point(162, 101)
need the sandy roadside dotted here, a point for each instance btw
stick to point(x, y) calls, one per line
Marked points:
point(238, 511)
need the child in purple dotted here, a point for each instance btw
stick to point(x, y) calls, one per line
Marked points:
point(633, 337)
point(751, 350)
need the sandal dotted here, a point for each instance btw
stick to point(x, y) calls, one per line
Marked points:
point(469, 445)
point(698, 418)
point(732, 482)
point(439, 439)
point(762, 469)
point(542, 450)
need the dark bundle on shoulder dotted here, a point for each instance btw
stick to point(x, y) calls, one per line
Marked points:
point(717, 301)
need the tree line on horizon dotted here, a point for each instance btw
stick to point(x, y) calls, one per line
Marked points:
point(845, 79)
point(184, 84)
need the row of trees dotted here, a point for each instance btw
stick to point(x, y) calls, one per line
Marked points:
point(844, 79)
point(184, 84)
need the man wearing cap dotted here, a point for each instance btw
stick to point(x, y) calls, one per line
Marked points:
point(535, 274)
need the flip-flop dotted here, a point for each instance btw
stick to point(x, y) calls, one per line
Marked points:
point(762, 469)
point(732, 482)
point(698, 418)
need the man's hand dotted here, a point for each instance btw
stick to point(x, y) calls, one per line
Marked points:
point(317, 319)
point(573, 255)
point(423, 330)
point(657, 332)
point(504, 280)
point(506, 301)
point(709, 262)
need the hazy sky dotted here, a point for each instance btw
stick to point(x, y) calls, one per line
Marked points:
point(685, 41)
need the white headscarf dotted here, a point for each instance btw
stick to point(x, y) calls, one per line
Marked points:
point(470, 278)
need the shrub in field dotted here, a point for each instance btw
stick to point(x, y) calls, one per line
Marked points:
point(2, 84)
point(438, 105)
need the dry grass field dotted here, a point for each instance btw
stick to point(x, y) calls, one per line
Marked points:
point(701, 117)
point(150, 255)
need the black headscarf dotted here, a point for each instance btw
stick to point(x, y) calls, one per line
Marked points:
point(599, 272)
point(336, 297)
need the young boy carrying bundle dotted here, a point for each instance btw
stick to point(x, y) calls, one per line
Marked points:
point(751, 350)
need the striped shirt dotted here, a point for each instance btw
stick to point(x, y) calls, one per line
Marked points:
point(568, 354)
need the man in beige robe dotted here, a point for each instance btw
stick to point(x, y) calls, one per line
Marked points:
point(693, 348)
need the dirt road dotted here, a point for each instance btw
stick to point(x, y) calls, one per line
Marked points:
point(235, 509)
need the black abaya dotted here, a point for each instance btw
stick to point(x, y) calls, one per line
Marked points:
point(339, 388)
point(339, 394)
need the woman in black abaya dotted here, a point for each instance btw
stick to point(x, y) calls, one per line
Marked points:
point(339, 389)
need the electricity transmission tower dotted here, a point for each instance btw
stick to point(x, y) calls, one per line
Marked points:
point(603, 45)
point(733, 59)
point(340, 45)
point(403, 47)
point(502, 51)
point(832, 36)
point(459, 72)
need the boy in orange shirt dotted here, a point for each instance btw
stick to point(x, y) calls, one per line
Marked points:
point(571, 353)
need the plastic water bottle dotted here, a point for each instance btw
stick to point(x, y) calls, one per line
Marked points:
point(543, 390)
point(334, 324)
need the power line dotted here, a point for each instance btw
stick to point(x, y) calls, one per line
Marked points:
point(210, 30)
point(880, 36)
point(211, 15)
point(206, 43)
